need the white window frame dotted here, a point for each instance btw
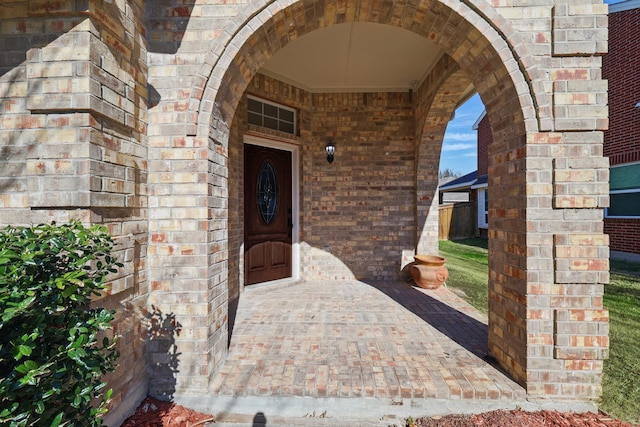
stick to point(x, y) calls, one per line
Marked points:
point(483, 215)
point(280, 106)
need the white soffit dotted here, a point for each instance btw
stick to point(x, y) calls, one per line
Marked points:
point(355, 57)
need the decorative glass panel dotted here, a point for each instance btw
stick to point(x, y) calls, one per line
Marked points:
point(268, 193)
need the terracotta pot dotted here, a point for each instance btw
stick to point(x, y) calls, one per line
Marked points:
point(429, 271)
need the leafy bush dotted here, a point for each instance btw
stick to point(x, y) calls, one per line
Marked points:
point(52, 349)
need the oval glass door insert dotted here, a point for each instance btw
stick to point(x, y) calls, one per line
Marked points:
point(267, 192)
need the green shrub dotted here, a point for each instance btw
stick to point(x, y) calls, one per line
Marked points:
point(52, 349)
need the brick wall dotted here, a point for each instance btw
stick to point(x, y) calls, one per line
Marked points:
point(624, 234)
point(435, 101)
point(73, 98)
point(622, 139)
point(359, 210)
point(484, 139)
point(619, 66)
point(357, 214)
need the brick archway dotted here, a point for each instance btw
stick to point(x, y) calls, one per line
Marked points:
point(477, 38)
point(477, 50)
point(132, 109)
point(530, 260)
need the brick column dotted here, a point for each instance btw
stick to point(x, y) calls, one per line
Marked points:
point(567, 181)
point(436, 101)
point(567, 265)
point(74, 120)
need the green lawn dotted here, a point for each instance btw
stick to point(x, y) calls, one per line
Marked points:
point(468, 266)
point(468, 272)
point(621, 394)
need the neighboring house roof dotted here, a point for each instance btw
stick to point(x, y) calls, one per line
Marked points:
point(482, 181)
point(624, 5)
point(465, 181)
point(445, 180)
point(477, 123)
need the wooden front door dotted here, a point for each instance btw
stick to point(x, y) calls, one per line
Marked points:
point(267, 214)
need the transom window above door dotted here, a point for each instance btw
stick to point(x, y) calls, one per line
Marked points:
point(270, 115)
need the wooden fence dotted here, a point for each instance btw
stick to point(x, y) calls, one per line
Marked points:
point(457, 221)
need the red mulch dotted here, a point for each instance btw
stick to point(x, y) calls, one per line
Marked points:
point(155, 413)
point(519, 418)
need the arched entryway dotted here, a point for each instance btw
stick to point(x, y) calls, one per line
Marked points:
point(479, 48)
point(502, 86)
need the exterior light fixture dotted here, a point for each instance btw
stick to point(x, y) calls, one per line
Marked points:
point(330, 148)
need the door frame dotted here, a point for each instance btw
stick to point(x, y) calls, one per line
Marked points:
point(294, 148)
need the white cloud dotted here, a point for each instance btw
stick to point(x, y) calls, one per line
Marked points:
point(464, 120)
point(457, 147)
point(460, 136)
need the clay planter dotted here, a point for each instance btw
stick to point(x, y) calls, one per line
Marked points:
point(429, 271)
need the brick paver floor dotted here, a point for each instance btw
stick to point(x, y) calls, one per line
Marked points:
point(353, 339)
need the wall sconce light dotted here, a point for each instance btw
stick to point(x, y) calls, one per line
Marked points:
point(330, 148)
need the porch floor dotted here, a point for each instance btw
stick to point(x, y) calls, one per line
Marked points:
point(389, 341)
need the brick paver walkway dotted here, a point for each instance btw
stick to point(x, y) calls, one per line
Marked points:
point(352, 339)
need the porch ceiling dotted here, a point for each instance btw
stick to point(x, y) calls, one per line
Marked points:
point(355, 57)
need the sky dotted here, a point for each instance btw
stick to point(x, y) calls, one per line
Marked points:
point(460, 141)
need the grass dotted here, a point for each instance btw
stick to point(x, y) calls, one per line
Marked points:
point(467, 261)
point(621, 384)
